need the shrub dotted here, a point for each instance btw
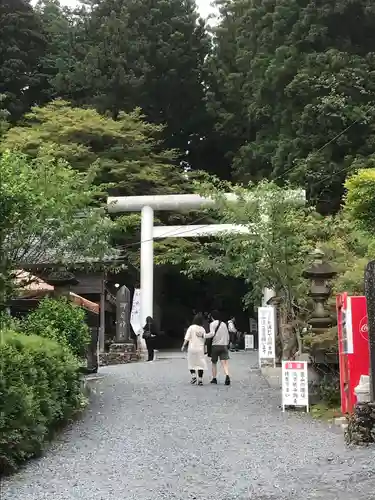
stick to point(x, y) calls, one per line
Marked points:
point(60, 320)
point(329, 389)
point(39, 389)
point(9, 322)
point(360, 198)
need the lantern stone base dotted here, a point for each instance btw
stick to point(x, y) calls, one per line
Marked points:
point(272, 375)
point(119, 353)
point(361, 425)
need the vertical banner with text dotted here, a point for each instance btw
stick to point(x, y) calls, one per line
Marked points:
point(135, 319)
point(135, 315)
point(267, 334)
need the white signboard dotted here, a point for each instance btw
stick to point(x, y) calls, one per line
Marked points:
point(266, 333)
point(348, 328)
point(253, 325)
point(295, 389)
point(249, 342)
point(135, 315)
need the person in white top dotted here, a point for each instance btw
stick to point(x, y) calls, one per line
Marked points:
point(219, 350)
point(194, 337)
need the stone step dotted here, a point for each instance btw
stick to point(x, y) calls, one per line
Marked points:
point(117, 358)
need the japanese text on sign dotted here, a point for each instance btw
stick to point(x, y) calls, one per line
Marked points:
point(249, 342)
point(295, 384)
point(135, 316)
point(267, 333)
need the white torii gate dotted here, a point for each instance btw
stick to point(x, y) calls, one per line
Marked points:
point(147, 204)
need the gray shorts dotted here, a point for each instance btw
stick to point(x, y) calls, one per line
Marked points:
point(219, 352)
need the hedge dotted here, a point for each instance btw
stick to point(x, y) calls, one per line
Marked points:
point(61, 320)
point(39, 389)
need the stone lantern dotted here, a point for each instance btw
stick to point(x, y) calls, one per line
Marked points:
point(62, 281)
point(320, 273)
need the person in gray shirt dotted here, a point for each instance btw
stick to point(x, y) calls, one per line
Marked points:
point(220, 341)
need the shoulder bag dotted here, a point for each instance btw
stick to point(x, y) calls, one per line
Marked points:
point(147, 332)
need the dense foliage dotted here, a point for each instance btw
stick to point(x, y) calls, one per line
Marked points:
point(46, 216)
point(149, 55)
point(279, 244)
point(117, 55)
point(62, 321)
point(272, 253)
point(282, 90)
point(126, 152)
point(360, 199)
point(39, 390)
point(293, 89)
point(22, 44)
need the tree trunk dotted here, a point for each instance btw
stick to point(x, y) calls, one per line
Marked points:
point(288, 336)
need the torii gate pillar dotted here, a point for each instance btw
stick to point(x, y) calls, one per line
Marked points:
point(147, 263)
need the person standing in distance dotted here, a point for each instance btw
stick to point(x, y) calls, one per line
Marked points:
point(220, 341)
point(233, 334)
point(149, 334)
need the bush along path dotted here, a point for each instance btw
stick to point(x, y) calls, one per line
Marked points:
point(40, 389)
point(40, 386)
point(149, 434)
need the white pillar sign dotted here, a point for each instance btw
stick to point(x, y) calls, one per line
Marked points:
point(267, 333)
point(295, 389)
point(249, 342)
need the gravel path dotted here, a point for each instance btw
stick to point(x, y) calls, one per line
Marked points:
point(150, 435)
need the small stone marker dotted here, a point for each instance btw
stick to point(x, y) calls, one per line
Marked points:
point(123, 315)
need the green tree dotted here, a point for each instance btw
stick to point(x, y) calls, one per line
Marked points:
point(21, 47)
point(148, 55)
point(349, 249)
point(273, 253)
point(4, 115)
point(225, 83)
point(353, 243)
point(60, 29)
point(299, 71)
point(46, 217)
point(360, 199)
point(280, 234)
point(126, 151)
point(127, 154)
